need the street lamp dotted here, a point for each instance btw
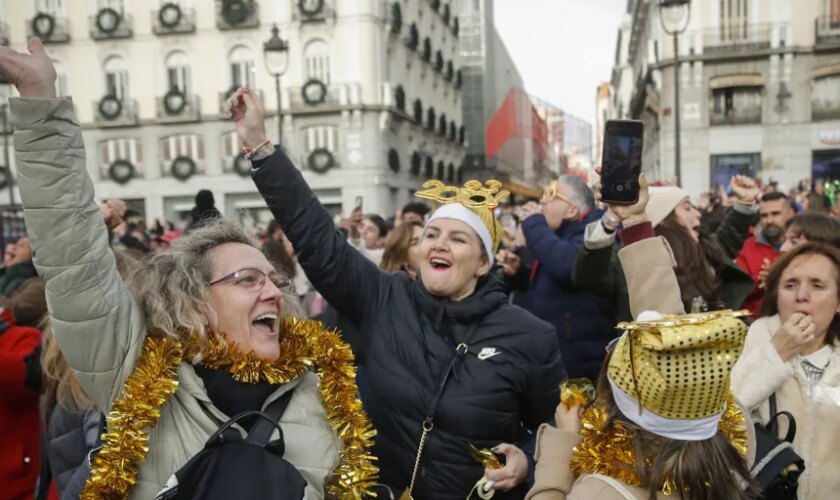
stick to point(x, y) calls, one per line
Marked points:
point(276, 52)
point(674, 16)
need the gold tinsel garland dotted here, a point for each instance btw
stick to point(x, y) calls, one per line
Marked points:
point(303, 343)
point(608, 448)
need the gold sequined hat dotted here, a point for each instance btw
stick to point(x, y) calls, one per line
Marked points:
point(671, 375)
point(472, 204)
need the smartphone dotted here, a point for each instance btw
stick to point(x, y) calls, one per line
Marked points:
point(621, 162)
point(359, 201)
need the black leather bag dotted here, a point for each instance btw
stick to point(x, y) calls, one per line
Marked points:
point(231, 466)
point(777, 467)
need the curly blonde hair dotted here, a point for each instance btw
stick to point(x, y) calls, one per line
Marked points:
point(173, 287)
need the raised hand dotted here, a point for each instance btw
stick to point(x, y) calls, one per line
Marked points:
point(628, 213)
point(797, 332)
point(245, 109)
point(33, 74)
point(744, 188)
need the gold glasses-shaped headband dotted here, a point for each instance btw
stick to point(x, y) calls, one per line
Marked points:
point(472, 195)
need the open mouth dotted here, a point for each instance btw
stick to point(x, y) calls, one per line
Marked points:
point(266, 323)
point(439, 264)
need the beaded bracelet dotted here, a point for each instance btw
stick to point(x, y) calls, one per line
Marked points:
point(249, 153)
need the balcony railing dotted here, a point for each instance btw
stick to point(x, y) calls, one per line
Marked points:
point(332, 98)
point(116, 113)
point(825, 110)
point(170, 109)
point(173, 19)
point(738, 39)
point(110, 24)
point(49, 28)
point(4, 34)
point(828, 30)
point(237, 14)
point(736, 117)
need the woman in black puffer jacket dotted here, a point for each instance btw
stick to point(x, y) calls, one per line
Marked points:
point(448, 337)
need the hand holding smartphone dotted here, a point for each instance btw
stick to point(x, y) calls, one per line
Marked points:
point(621, 161)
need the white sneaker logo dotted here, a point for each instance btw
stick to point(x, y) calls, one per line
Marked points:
point(487, 353)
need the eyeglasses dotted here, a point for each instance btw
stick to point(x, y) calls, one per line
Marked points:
point(253, 279)
point(550, 193)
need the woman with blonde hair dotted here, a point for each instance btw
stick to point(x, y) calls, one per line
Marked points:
point(401, 249)
point(201, 340)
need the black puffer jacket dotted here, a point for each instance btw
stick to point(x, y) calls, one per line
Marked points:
point(507, 384)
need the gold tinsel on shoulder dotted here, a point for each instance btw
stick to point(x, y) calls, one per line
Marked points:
point(303, 343)
point(608, 448)
point(218, 354)
point(126, 441)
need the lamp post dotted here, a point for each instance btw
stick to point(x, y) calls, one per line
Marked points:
point(674, 16)
point(276, 52)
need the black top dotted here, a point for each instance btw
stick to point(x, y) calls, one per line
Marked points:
point(233, 397)
point(507, 384)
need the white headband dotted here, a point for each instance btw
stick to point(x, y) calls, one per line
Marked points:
point(460, 212)
point(683, 430)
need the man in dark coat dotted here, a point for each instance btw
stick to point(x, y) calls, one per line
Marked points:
point(554, 235)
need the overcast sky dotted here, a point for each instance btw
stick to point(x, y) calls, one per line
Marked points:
point(562, 48)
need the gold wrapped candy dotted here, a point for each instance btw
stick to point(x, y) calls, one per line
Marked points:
point(577, 392)
point(485, 457)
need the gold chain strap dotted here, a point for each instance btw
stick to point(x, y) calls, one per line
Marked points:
point(427, 428)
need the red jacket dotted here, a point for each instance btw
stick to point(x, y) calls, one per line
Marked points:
point(19, 423)
point(752, 255)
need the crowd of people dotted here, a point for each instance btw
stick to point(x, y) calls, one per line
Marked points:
point(429, 355)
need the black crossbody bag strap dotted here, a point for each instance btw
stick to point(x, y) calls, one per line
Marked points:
point(429, 421)
point(262, 430)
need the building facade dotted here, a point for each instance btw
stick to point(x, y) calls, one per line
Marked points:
point(370, 100)
point(489, 76)
point(759, 90)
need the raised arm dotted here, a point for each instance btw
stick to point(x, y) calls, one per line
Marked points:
point(95, 319)
point(735, 229)
point(349, 281)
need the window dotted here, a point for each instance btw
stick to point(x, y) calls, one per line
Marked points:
point(117, 5)
point(116, 78)
point(55, 7)
point(726, 166)
point(230, 145)
point(317, 61)
point(320, 137)
point(61, 89)
point(734, 105)
point(241, 67)
point(733, 19)
point(189, 145)
point(827, 90)
point(120, 149)
point(178, 72)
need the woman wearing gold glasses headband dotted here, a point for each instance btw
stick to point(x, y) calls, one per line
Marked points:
point(664, 423)
point(451, 364)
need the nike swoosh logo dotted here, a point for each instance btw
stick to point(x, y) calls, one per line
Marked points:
point(487, 355)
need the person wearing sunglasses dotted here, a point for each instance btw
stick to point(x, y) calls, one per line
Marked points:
point(200, 333)
point(543, 269)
